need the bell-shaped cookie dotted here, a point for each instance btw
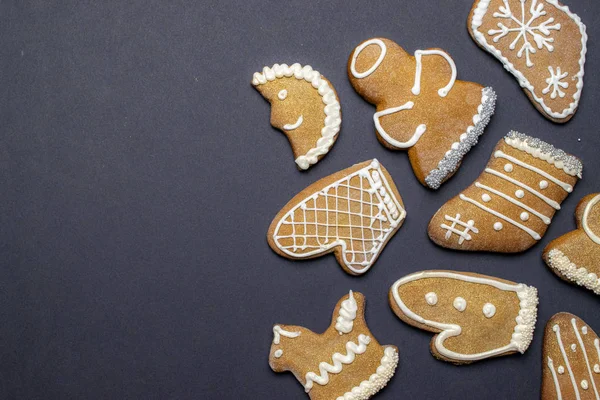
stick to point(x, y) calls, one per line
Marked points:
point(473, 316)
point(510, 205)
point(570, 360)
point(304, 106)
point(344, 362)
point(541, 43)
point(352, 213)
point(575, 256)
point(421, 106)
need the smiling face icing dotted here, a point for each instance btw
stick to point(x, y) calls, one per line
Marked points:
point(304, 106)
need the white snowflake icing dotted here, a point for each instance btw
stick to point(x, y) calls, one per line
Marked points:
point(554, 83)
point(525, 26)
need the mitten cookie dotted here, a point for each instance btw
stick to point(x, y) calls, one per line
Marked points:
point(509, 207)
point(304, 106)
point(571, 360)
point(352, 213)
point(474, 316)
point(541, 43)
point(421, 106)
point(575, 256)
point(345, 362)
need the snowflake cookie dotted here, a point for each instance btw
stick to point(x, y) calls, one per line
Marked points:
point(344, 363)
point(421, 106)
point(542, 43)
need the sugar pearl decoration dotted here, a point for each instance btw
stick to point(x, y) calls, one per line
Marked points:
point(498, 226)
point(431, 298)
point(524, 216)
point(520, 194)
point(508, 167)
point(489, 310)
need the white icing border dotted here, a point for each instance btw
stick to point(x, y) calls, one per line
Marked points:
point(523, 331)
point(333, 116)
point(368, 388)
point(476, 22)
point(584, 219)
point(558, 261)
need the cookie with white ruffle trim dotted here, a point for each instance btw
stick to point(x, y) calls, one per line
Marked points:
point(541, 43)
point(352, 213)
point(345, 362)
point(575, 256)
point(570, 360)
point(511, 204)
point(473, 316)
point(421, 106)
point(304, 106)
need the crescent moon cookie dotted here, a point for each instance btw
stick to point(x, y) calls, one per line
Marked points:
point(510, 205)
point(304, 106)
point(575, 256)
point(570, 360)
point(420, 105)
point(542, 43)
point(352, 213)
point(473, 316)
point(345, 362)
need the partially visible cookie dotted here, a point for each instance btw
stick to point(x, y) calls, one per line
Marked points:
point(473, 316)
point(510, 205)
point(352, 213)
point(570, 360)
point(304, 106)
point(421, 106)
point(542, 43)
point(575, 256)
point(345, 362)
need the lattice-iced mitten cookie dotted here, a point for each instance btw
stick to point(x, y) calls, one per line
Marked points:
point(575, 256)
point(304, 106)
point(509, 207)
point(345, 362)
point(352, 213)
point(571, 360)
point(474, 316)
point(421, 106)
point(541, 43)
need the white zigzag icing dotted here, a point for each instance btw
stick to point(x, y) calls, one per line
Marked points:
point(352, 349)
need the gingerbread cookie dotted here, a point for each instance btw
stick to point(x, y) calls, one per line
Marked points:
point(474, 316)
point(542, 43)
point(345, 362)
point(304, 106)
point(575, 256)
point(352, 213)
point(571, 360)
point(421, 106)
point(509, 207)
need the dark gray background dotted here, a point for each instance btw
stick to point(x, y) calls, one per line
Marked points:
point(139, 174)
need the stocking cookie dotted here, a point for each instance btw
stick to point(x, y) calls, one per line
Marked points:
point(571, 360)
point(575, 256)
point(421, 106)
point(304, 106)
point(352, 213)
point(510, 205)
point(345, 362)
point(474, 316)
point(542, 43)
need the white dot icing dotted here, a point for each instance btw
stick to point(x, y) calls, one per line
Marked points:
point(584, 330)
point(520, 194)
point(597, 368)
point(486, 197)
point(561, 370)
point(431, 298)
point(498, 226)
point(524, 216)
point(460, 304)
point(278, 353)
point(573, 347)
point(543, 184)
point(282, 94)
point(584, 384)
point(508, 167)
point(489, 310)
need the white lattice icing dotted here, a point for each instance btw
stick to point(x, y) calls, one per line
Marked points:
point(333, 116)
